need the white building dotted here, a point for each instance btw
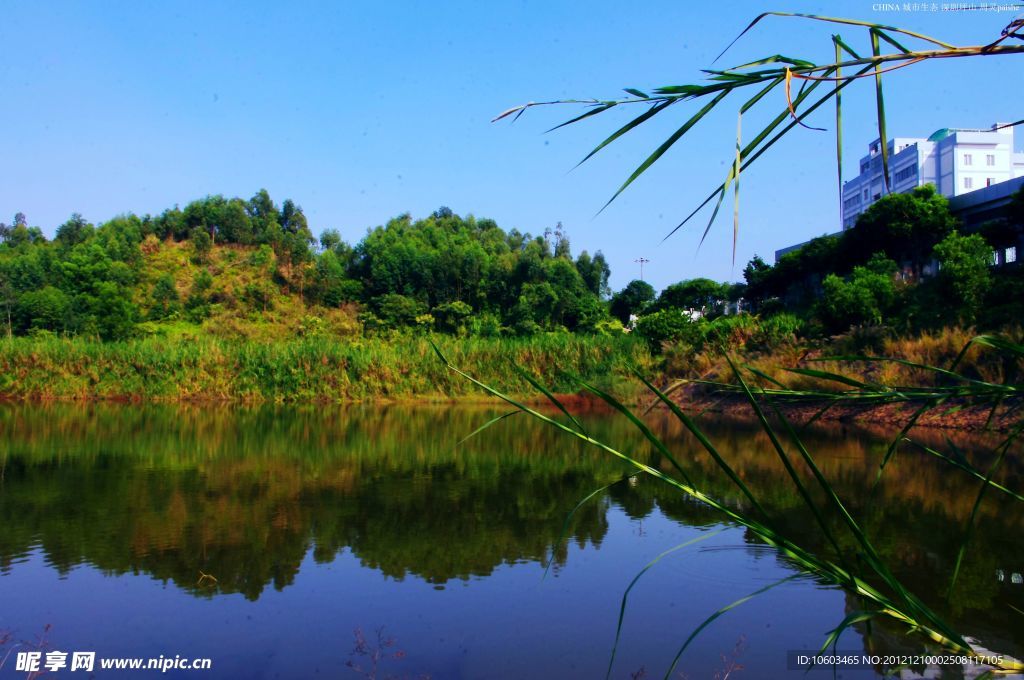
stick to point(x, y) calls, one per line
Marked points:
point(957, 161)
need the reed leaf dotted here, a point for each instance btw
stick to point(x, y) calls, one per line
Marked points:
point(842, 71)
point(690, 425)
point(572, 513)
point(905, 608)
point(667, 144)
point(492, 421)
point(629, 588)
point(708, 621)
point(880, 107)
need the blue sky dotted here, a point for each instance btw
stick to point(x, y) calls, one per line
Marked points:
point(362, 111)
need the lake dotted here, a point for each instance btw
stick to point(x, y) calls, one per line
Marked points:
point(372, 542)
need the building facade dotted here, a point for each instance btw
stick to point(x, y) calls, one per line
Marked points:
point(957, 161)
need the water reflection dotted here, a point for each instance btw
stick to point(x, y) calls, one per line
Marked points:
point(246, 495)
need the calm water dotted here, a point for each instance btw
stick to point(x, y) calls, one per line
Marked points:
point(264, 538)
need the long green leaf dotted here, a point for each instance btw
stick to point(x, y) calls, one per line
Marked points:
point(667, 144)
point(880, 105)
point(708, 621)
point(933, 629)
point(834, 20)
point(751, 157)
point(486, 425)
point(839, 124)
point(625, 595)
point(592, 112)
point(690, 425)
point(834, 377)
point(969, 529)
point(642, 118)
point(857, 616)
point(568, 518)
point(966, 467)
point(551, 397)
point(639, 424)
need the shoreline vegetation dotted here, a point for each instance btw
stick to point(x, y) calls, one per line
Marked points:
point(305, 370)
point(405, 368)
point(235, 301)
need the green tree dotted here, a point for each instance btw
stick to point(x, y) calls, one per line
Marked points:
point(663, 326)
point(74, 231)
point(865, 297)
point(44, 309)
point(452, 317)
point(331, 286)
point(330, 239)
point(595, 272)
point(632, 299)
point(396, 311)
point(202, 244)
point(164, 300)
point(905, 226)
point(964, 277)
point(197, 304)
point(703, 295)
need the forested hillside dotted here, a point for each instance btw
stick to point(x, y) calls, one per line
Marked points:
point(251, 268)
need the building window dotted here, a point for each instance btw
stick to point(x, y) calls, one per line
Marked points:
point(906, 173)
point(989, 181)
point(990, 160)
point(863, 168)
point(995, 258)
point(865, 194)
point(968, 160)
point(1011, 254)
point(968, 183)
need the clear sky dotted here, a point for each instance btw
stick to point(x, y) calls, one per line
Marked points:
point(360, 111)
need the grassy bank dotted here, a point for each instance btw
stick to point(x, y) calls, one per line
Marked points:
point(163, 369)
point(941, 348)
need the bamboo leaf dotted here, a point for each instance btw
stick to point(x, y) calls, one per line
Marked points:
point(592, 112)
point(625, 595)
point(687, 90)
point(894, 444)
point(708, 621)
point(834, 20)
point(892, 41)
point(962, 464)
point(551, 397)
point(640, 425)
point(568, 518)
point(486, 425)
point(667, 144)
point(839, 123)
point(774, 59)
point(736, 187)
point(690, 425)
point(826, 375)
point(751, 157)
point(850, 619)
point(784, 458)
point(642, 118)
point(969, 529)
point(849, 50)
point(880, 105)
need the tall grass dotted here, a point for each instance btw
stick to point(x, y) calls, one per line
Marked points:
point(850, 559)
point(309, 369)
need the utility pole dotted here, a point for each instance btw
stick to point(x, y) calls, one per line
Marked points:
point(642, 261)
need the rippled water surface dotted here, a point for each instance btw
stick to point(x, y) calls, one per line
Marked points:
point(265, 539)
